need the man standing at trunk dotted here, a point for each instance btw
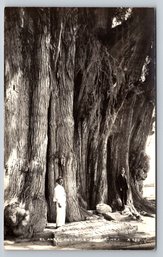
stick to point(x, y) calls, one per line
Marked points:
point(60, 200)
point(122, 187)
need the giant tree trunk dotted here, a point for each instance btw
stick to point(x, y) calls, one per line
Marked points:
point(75, 106)
point(27, 94)
point(65, 130)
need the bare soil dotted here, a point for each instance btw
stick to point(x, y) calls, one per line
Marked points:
point(97, 234)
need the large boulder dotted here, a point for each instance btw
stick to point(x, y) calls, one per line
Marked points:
point(103, 208)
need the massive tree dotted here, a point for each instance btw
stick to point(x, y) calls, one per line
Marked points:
point(79, 102)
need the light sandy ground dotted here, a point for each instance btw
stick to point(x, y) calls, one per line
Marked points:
point(144, 238)
point(149, 192)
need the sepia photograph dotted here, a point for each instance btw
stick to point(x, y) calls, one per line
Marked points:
point(79, 128)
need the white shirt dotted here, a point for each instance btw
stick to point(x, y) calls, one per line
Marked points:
point(59, 195)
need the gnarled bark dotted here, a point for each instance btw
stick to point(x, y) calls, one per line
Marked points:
point(75, 105)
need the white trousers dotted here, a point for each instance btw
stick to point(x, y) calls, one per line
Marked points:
point(60, 215)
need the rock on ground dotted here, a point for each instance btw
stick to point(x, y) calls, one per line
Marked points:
point(103, 208)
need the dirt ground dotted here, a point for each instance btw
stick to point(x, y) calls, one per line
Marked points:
point(92, 235)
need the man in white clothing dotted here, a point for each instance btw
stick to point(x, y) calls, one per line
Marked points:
point(60, 200)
